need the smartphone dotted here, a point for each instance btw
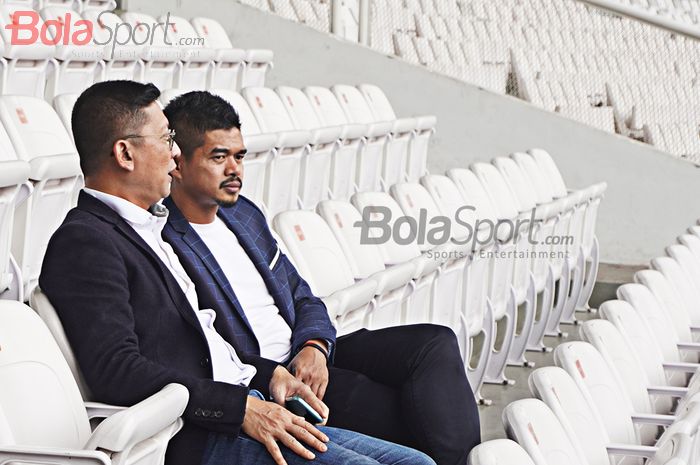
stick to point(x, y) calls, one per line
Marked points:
point(298, 406)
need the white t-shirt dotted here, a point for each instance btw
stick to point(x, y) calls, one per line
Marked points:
point(273, 333)
point(226, 366)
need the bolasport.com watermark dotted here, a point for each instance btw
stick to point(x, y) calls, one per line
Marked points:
point(26, 28)
point(378, 227)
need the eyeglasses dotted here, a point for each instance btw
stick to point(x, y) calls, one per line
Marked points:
point(170, 137)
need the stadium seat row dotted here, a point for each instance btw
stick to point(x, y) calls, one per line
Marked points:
point(136, 46)
point(629, 388)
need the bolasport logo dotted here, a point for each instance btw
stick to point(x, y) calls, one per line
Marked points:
point(26, 28)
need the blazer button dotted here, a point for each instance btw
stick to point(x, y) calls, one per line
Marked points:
point(204, 362)
point(218, 414)
point(206, 413)
point(198, 412)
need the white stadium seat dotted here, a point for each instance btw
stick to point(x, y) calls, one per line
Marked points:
point(27, 65)
point(196, 71)
point(63, 104)
point(39, 137)
point(76, 67)
point(499, 452)
point(44, 418)
point(121, 56)
point(161, 61)
point(311, 243)
point(293, 145)
point(14, 189)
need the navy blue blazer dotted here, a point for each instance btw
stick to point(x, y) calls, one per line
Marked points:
point(133, 330)
point(305, 313)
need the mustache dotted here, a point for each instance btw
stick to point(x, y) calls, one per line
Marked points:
point(230, 180)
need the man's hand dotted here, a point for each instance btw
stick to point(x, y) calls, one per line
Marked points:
point(309, 366)
point(283, 386)
point(268, 423)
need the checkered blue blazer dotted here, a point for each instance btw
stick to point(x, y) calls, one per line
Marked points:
point(305, 313)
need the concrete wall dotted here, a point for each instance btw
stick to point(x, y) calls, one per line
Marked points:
point(651, 197)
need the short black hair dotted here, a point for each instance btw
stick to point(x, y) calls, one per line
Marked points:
point(103, 113)
point(195, 113)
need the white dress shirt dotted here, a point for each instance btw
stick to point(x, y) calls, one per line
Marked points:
point(226, 365)
point(271, 330)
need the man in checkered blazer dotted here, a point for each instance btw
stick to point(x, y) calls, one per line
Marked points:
point(404, 384)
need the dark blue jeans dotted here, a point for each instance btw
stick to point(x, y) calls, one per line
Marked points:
point(344, 448)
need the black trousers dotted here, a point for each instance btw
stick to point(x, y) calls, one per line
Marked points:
point(407, 385)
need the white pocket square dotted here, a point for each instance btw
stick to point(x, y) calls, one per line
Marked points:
point(275, 258)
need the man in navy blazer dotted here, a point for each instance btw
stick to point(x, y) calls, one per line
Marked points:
point(133, 316)
point(404, 384)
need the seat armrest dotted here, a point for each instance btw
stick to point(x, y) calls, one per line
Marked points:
point(425, 266)
point(426, 122)
point(404, 125)
point(124, 429)
point(50, 455)
point(259, 56)
point(198, 55)
point(14, 172)
point(689, 346)
point(353, 131)
point(260, 142)
point(99, 410)
point(326, 135)
point(631, 450)
point(378, 129)
point(685, 367)
point(695, 329)
point(671, 391)
point(352, 297)
point(393, 277)
point(230, 55)
point(161, 54)
point(54, 167)
point(653, 419)
point(293, 139)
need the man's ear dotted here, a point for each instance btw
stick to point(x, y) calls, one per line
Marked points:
point(124, 159)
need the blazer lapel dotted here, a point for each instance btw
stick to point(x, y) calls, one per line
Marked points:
point(258, 259)
point(94, 206)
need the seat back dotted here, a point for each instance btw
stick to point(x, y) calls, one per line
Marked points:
point(533, 425)
point(635, 330)
point(622, 359)
point(380, 207)
point(28, 63)
point(550, 171)
point(589, 371)
point(39, 400)
point(688, 262)
point(212, 31)
point(450, 201)
point(14, 175)
point(354, 104)
point(668, 299)
point(39, 137)
point(681, 284)
point(197, 66)
point(530, 167)
point(317, 255)
point(344, 220)
point(326, 105)
point(299, 108)
point(474, 194)
point(574, 409)
point(121, 55)
point(63, 104)
point(644, 302)
point(496, 187)
point(416, 202)
point(378, 102)
point(520, 185)
point(41, 304)
point(691, 241)
point(268, 109)
point(499, 452)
